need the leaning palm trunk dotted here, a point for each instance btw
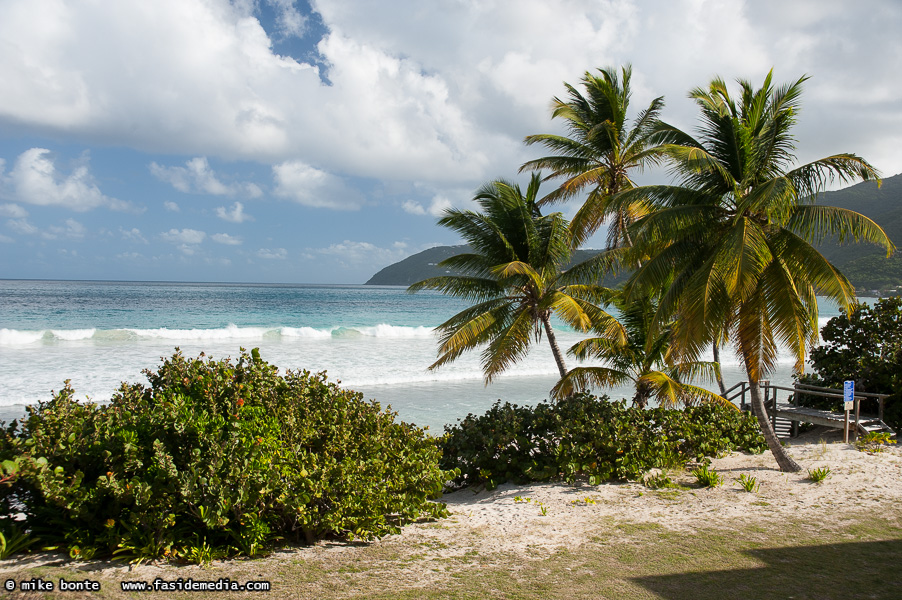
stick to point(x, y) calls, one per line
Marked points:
point(785, 462)
point(723, 388)
point(555, 350)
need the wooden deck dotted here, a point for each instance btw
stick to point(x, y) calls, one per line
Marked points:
point(836, 420)
point(785, 417)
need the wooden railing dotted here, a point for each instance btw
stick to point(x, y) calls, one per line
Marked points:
point(769, 393)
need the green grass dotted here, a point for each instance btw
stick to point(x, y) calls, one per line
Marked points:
point(762, 559)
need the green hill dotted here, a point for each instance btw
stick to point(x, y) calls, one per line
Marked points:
point(865, 265)
point(425, 265)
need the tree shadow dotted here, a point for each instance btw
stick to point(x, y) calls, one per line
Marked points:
point(822, 572)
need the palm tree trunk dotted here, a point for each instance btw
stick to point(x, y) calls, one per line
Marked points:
point(723, 388)
point(785, 462)
point(558, 357)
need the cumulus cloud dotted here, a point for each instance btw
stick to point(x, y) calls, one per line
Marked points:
point(234, 215)
point(272, 253)
point(307, 185)
point(13, 211)
point(421, 96)
point(171, 206)
point(224, 238)
point(289, 20)
point(34, 179)
point(196, 177)
point(414, 208)
point(436, 208)
point(134, 234)
point(186, 240)
point(352, 253)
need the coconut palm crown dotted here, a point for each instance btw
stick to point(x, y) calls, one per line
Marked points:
point(643, 361)
point(599, 152)
point(735, 238)
point(515, 278)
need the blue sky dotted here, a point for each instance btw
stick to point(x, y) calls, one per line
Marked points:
point(280, 141)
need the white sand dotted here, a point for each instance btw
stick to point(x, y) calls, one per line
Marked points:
point(496, 521)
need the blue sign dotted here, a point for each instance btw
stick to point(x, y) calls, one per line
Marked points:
point(848, 394)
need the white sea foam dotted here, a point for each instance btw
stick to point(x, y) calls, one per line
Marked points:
point(393, 331)
point(230, 332)
point(305, 332)
point(16, 337)
point(73, 335)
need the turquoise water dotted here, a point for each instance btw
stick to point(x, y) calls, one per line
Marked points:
point(377, 340)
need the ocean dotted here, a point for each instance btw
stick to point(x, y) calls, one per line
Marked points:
point(376, 340)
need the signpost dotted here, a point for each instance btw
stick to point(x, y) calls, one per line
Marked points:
point(848, 396)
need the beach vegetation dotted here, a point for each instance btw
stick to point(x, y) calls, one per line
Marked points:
point(733, 241)
point(864, 345)
point(874, 441)
point(214, 458)
point(707, 477)
point(748, 483)
point(514, 275)
point(589, 438)
point(819, 474)
point(659, 480)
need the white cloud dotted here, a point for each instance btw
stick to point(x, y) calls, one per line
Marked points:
point(5, 239)
point(196, 177)
point(22, 226)
point(183, 236)
point(272, 254)
point(439, 205)
point(314, 187)
point(35, 180)
point(13, 211)
point(134, 234)
point(414, 208)
point(186, 240)
point(289, 20)
point(224, 238)
point(72, 230)
point(171, 206)
point(420, 93)
point(235, 215)
point(351, 253)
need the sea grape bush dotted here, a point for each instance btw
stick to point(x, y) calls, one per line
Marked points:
point(586, 436)
point(231, 458)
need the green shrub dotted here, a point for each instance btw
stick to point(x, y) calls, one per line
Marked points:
point(586, 436)
point(215, 457)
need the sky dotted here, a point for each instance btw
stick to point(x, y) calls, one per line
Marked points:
point(283, 141)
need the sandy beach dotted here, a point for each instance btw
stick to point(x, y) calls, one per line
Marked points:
point(527, 525)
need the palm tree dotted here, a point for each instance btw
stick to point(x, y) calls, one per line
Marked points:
point(599, 153)
point(514, 275)
point(643, 361)
point(736, 235)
